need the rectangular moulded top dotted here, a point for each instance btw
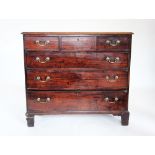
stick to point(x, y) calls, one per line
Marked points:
point(75, 33)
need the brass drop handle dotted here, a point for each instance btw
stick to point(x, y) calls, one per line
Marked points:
point(106, 99)
point(46, 60)
point(42, 42)
point(112, 59)
point(39, 100)
point(111, 78)
point(46, 79)
point(113, 42)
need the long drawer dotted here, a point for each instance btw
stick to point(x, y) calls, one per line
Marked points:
point(103, 60)
point(75, 79)
point(60, 101)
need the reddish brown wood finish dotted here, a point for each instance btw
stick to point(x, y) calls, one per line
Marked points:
point(78, 43)
point(77, 60)
point(75, 101)
point(124, 42)
point(74, 80)
point(44, 43)
point(77, 73)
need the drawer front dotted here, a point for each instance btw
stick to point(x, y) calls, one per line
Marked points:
point(50, 101)
point(76, 79)
point(113, 42)
point(78, 43)
point(41, 43)
point(77, 60)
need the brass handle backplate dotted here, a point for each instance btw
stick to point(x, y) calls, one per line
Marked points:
point(112, 59)
point(46, 60)
point(112, 78)
point(42, 42)
point(38, 78)
point(46, 100)
point(113, 42)
point(107, 99)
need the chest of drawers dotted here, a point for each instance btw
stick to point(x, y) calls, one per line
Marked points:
point(77, 73)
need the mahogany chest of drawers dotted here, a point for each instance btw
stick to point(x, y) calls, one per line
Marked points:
point(77, 72)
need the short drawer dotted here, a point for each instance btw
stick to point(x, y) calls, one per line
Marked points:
point(76, 79)
point(78, 43)
point(77, 60)
point(72, 101)
point(41, 43)
point(113, 42)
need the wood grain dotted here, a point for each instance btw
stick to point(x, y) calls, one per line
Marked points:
point(74, 80)
point(78, 43)
point(124, 42)
point(30, 43)
point(75, 101)
point(77, 60)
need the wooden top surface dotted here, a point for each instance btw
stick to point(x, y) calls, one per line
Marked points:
point(74, 33)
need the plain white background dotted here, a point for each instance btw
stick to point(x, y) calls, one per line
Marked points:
point(142, 85)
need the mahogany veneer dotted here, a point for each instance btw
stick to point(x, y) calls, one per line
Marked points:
point(77, 72)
